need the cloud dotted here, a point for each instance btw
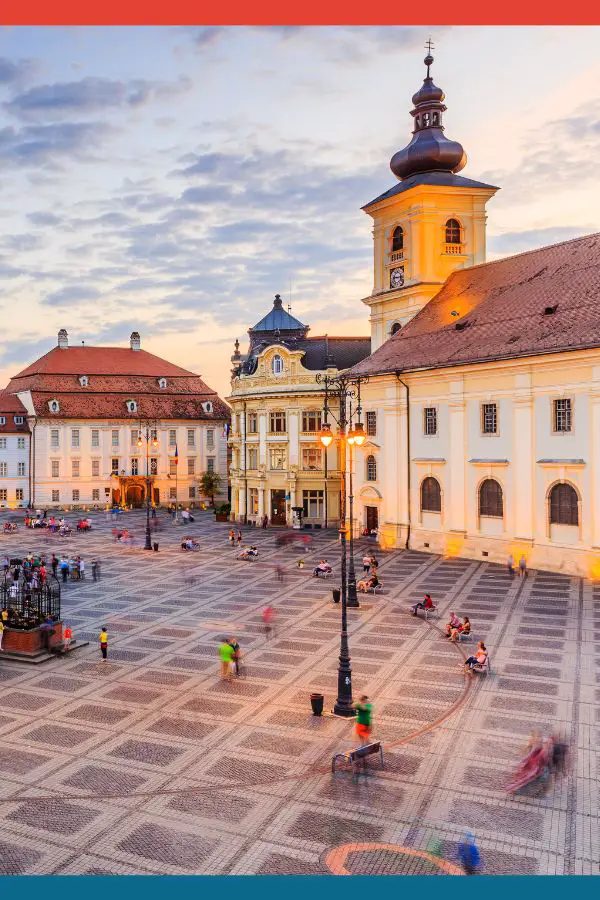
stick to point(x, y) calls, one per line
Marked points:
point(206, 195)
point(519, 241)
point(88, 96)
point(71, 294)
point(36, 144)
point(42, 218)
point(15, 71)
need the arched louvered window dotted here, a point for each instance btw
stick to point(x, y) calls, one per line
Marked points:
point(397, 239)
point(491, 502)
point(395, 328)
point(564, 506)
point(431, 495)
point(371, 468)
point(453, 231)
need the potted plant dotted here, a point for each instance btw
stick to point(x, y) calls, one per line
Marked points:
point(222, 512)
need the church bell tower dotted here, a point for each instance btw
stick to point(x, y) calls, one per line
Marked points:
point(429, 224)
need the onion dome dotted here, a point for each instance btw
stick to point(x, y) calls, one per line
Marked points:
point(429, 150)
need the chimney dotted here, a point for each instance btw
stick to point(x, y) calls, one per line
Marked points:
point(63, 339)
point(135, 341)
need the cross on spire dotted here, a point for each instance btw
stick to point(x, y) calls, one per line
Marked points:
point(429, 46)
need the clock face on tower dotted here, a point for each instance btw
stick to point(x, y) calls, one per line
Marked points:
point(397, 277)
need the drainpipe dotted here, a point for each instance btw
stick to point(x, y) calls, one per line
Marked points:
point(403, 383)
point(32, 423)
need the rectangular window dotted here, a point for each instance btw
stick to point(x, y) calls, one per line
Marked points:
point(277, 422)
point(192, 493)
point(172, 493)
point(311, 420)
point(252, 423)
point(75, 438)
point(114, 465)
point(313, 504)
point(252, 458)
point(114, 440)
point(172, 466)
point(56, 496)
point(20, 443)
point(277, 458)
point(253, 502)
point(2, 443)
point(191, 437)
point(2, 420)
point(3, 469)
point(210, 438)
point(55, 468)
point(154, 465)
point(19, 494)
point(3, 495)
point(96, 494)
point(75, 468)
point(563, 415)
point(135, 468)
point(191, 465)
point(95, 468)
point(19, 420)
point(210, 464)
point(371, 423)
point(21, 468)
point(430, 420)
point(95, 437)
point(134, 437)
point(75, 496)
point(172, 437)
point(489, 418)
point(54, 438)
point(312, 459)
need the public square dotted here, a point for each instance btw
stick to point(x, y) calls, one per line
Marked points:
point(150, 763)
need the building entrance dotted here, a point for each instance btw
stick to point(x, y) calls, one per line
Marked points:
point(372, 517)
point(278, 516)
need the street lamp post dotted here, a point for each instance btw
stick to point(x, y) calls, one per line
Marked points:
point(344, 388)
point(147, 432)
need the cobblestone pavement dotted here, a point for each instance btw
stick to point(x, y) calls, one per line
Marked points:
point(151, 764)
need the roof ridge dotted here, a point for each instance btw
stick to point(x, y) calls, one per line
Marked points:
point(493, 262)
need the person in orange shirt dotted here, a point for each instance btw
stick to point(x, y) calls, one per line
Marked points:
point(67, 637)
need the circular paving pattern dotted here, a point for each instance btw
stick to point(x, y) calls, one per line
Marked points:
point(386, 859)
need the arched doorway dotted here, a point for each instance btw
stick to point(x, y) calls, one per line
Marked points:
point(135, 495)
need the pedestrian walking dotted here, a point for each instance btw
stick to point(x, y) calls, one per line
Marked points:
point(226, 655)
point(366, 562)
point(268, 617)
point(154, 512)
point(231, 537)
point(64, 569)
point(364, 719)
point(67, 637)
point(523, 566)
point(510, 563)
point(6, 564)
point(1, 632)
point(54, 564)
point(104, 643)
point(237, 653)
point(81, 569)
point(239, 538)
point(468, 854)
point(95, 570)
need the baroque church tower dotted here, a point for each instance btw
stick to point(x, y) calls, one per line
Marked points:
point(431, 223)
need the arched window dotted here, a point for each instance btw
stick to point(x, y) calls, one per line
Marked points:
point(490, 499)
point(371, 468)
point(564, 508)
point(431, 495)
point(395, 328)
point(277, 365)
point(397, 239)
point(453, 231)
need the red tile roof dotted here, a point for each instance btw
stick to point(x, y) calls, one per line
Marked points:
point(86, 405)
point(11, 406)
point(102, 361)
point(503, 312)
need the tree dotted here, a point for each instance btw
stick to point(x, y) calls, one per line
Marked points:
point(210, 484)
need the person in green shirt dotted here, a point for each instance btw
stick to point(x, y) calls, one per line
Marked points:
point(227, 656)
point(364, 719)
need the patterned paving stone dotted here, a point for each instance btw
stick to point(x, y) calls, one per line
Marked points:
point(58, 736)
point(103, 781)
point(20, 762)
point(171, 727)
point(145, 752)
point(16, 859)
point(53, 815)
point(333, 830)
point(95, 712)
point(164, 845)
point(247, 770)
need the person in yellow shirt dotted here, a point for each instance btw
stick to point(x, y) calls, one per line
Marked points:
point(104, 643)
point(1, 632)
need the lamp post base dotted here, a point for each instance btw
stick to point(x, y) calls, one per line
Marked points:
point(148, 544)
point(342, 709)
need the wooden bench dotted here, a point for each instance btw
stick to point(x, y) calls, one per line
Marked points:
point(358, 756)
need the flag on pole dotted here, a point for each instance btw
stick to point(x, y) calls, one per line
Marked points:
point(176, 456)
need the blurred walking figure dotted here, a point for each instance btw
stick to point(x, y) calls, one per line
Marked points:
point(231, 538)
point(364, 719)
point(237, 653)
point(523, 566)
point(268, 617)
point(280, 574)
point(468, 854)
point(104, 643)
point(226, 653)
point(510, 563)
point(239, 538)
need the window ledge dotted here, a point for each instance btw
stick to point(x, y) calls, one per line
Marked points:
point(561, 462)
point(423, 460)
point(489, 462)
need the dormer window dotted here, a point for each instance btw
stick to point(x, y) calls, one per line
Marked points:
point(84, 381)
point(19, 420)
point(162, 382)
point(398, 239)
point(54, 406)
point(131, 406)
point(277, 365)
point(207, 407)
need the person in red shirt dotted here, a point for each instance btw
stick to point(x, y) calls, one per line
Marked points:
point(67, 637)
point(268, 617)
point(427, 603)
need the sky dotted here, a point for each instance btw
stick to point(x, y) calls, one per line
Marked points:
point(171, 181)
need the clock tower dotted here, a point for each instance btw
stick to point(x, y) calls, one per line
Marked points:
point(431, 223)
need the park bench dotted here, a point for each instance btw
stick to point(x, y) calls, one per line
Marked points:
point(358, 756)
point(433, 611)
point(377, 587)
point(483, 668)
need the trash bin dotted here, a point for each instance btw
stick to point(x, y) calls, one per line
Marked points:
point(316, 701)
point(155, 546)
point(336, 593)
